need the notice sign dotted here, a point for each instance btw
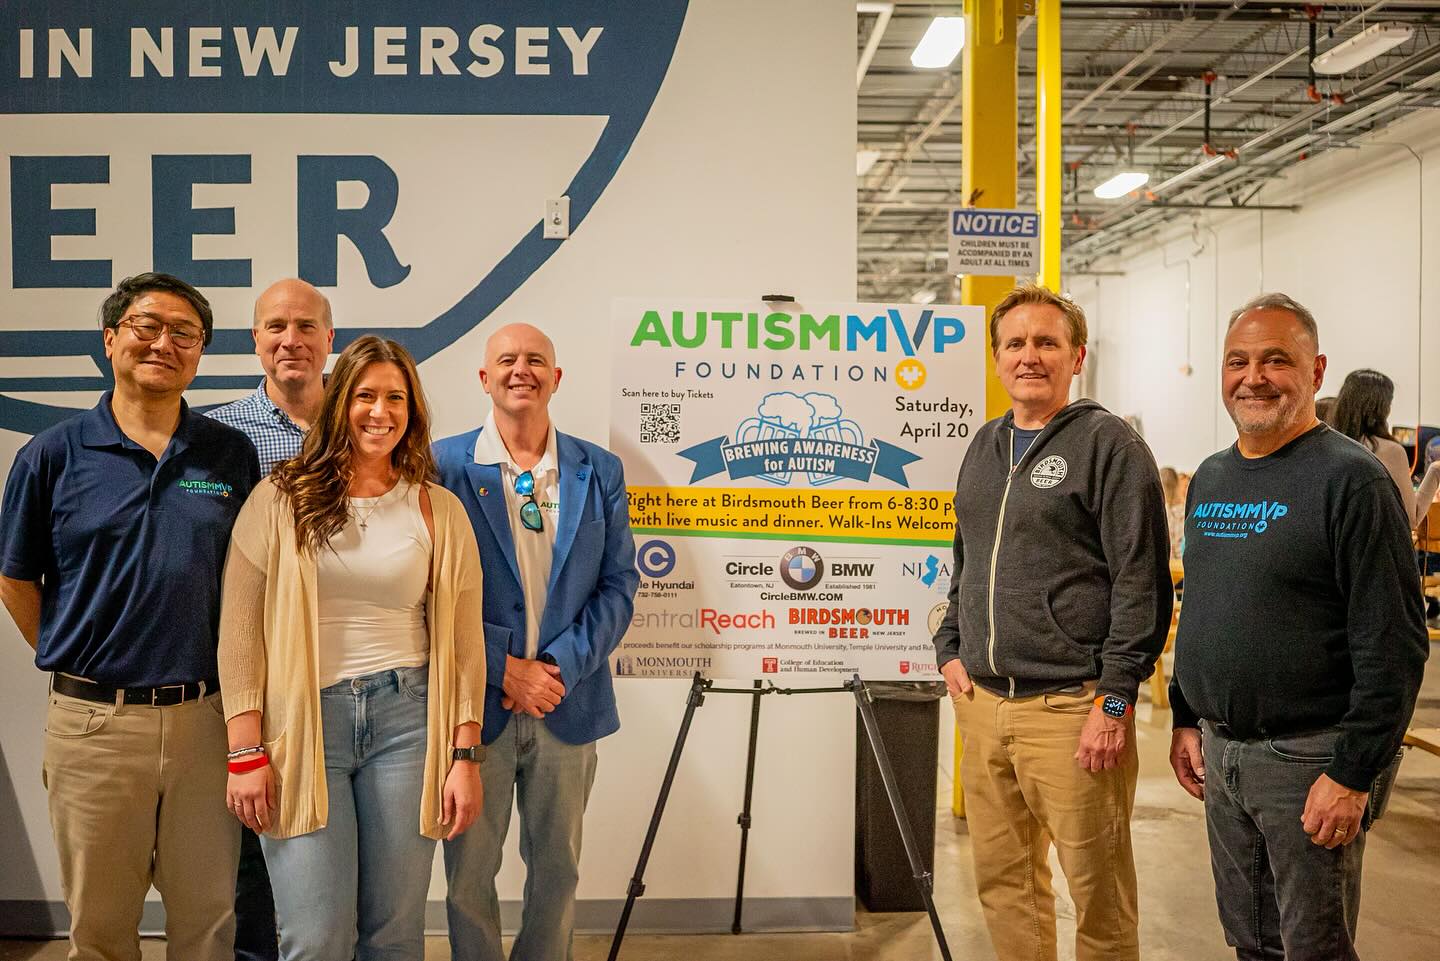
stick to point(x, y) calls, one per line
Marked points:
point(791, 473)
point(994, 242)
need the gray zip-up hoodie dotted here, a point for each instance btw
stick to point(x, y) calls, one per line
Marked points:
point(1061, 561)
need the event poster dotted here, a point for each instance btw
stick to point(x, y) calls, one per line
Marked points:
point(791, 473)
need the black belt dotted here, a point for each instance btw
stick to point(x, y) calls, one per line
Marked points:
point(162, 696)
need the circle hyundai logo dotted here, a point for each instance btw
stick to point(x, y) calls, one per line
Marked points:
point(655, 558)
point(802, 568)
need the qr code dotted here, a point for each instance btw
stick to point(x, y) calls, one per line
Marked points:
point(659, 423)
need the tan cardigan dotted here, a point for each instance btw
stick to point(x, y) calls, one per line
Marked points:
point(269, 651)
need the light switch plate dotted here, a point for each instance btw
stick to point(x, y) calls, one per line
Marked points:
point(557, 219)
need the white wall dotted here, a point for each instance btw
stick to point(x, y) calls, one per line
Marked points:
point(1351, 253)
point(740, 184)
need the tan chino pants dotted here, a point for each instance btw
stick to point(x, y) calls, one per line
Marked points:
point(137, 795)
point(1024, 790)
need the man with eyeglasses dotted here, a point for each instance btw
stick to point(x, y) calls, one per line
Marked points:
point(112, 538)
point(552, 519)
point(293, 331)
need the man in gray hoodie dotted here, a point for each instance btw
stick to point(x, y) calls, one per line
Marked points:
point(1060, 602)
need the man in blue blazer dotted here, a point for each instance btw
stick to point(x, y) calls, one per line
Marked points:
point(552, 520)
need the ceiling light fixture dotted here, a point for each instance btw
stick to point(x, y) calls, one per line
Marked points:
point(1121, 184)
point(942, 42)
point(1362, 48)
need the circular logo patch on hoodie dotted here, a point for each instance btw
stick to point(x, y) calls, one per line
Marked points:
point(1049, 472)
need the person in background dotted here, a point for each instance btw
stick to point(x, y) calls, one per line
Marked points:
point(1325, 410)
point(112, 541)
point(1174, 508)
point(293, 332)
point(1362, 413)
point(351, 650)
point(1300, 648)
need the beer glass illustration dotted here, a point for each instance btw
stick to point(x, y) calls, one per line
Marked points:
point(781, 415)
point(829, 423)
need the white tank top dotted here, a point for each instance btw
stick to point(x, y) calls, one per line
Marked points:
point(372, 581)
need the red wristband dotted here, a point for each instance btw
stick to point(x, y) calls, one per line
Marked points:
point(249, 764)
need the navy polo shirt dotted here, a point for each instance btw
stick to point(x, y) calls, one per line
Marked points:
point(130, 551)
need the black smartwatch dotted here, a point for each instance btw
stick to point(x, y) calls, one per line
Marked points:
point(475, 753)
point(1114, 706)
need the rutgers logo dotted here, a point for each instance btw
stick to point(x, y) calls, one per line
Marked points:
point(1049, 472)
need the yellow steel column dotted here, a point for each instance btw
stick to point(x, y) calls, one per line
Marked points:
point(989, 133)
point(987, 180)
point(1049, 161)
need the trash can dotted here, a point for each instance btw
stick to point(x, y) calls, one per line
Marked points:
point(908, 717)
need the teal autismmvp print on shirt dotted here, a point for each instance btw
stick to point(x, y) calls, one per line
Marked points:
point(1236, 518)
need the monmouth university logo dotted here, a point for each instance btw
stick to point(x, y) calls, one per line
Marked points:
point(260, 66)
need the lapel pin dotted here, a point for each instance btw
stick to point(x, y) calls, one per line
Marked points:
point(484, 491)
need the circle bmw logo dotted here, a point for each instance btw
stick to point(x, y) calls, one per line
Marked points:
point(802, 568)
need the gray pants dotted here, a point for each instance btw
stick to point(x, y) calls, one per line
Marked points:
point(1281, 896)
point(550, 781)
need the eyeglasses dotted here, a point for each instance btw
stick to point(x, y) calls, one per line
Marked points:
point(530, 514)
point(181, 335)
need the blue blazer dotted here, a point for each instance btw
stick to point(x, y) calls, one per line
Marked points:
point(593, 579)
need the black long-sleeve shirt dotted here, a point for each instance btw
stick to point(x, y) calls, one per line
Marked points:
point(1302, 601)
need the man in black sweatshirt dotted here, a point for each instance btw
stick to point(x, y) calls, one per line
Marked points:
point(1300, 648)
point(1059, 604)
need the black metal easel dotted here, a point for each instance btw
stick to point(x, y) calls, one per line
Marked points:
point(699, 687)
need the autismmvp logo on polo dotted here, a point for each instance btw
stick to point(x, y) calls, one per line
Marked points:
point(214, 488)
point(1236, 518)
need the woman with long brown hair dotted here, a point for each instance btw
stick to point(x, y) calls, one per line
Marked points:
point(1362, 413)
point(353, 663)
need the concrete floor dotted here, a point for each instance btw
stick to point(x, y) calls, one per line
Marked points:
point(1400, 916)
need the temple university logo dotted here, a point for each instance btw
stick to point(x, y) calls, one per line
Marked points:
point(770, 665)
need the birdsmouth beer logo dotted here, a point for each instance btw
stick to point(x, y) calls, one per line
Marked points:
point(375, 146)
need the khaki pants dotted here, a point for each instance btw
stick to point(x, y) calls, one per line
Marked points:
point(137, 795)
point(1023, 790)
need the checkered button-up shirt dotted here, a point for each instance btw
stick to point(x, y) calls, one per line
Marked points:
point(276, 437)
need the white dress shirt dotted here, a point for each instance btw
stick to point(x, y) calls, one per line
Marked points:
point(533, 549)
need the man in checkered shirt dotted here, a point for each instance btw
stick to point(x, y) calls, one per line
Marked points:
point(293, 332)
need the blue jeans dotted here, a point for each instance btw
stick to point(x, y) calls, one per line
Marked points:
point(551, 781)
point(1281, 896)
point(357, 887)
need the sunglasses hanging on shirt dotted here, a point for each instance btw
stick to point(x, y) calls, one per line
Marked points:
point(530, 514)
